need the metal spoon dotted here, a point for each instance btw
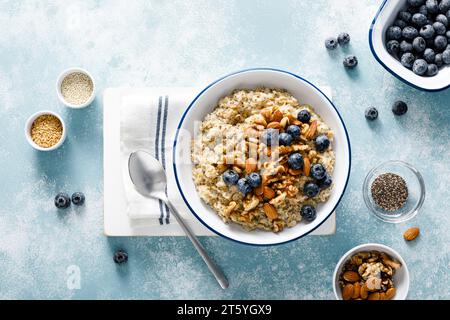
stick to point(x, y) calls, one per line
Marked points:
point(150, 180)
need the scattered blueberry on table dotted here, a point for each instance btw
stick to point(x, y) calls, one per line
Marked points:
point(120, 257)
point(350, 62)
point(343, 38)
point(78, 198)
point(399, 108)
point(62, 200)
point(308, 212)
point(331, 43)
point(419, 37)
point(371, 113)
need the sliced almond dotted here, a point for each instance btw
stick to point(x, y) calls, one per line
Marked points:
point(270, 211)
point(274, 125)
point(284, 122)
point(268, 193)
point(390, 293)
point(411, 234)
point(312, 130)
point(306, 166)
point(347, 292)
point(351, 276)
point(356, 290)
point(250, 165)
point(277, 116)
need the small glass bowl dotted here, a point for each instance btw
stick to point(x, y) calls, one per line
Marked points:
point(416, 191)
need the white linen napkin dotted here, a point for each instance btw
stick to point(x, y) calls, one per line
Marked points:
point(148, 121)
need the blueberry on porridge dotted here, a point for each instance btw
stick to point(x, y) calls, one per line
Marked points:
point(253, 158)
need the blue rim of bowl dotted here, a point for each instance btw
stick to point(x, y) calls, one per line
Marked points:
point(385, 66)
point(181, 123)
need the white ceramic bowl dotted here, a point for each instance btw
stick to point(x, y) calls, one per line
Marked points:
point(29, 123)
point(58, 88)
point(207, 100)
point(401, 276)
point(377, 34)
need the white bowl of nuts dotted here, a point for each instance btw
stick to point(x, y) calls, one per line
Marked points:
point(75, 88)
point(371, 272)
point(45, 131)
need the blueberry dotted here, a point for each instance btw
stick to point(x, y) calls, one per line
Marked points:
point(419, 19)
point(400, 23)
point(448, 47)
point(343, 38)
point(429, 55)
point(393, 47)
point(442, 19)
point(448, 34)
point(269, 136)
point(407, 60)
point(285, 139)
point(439, 61)
point(432, 6)
point(405, 46)
point(439, 28)
point(350, 62)
point(243, 186)
point(322, 143)
point(294, 131)
point(295, 161)
point(420, 67)
point(448, 15)
point(120, 257)
point(331, 43)
point(432, 70)
point(230, 177)
point(311, 189)
point(304, 116)
point(416, 3)
point(419, 44)
point(399, 108)
point(254, 179)
point(446, 56)
point(394, 33)
point(325, 182)
point(62, 200)
point(405, 16)
point(444, 5)
point(409, 33)
point(317, 171)
point(440, 42)
point(427, 31)
point(423, 10)
point(308, 212)
point(78, 198)
point(371, 113)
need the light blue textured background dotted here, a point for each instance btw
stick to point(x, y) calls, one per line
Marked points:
point(183, 43)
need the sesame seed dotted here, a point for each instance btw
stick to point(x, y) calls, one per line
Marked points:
point(77, 88)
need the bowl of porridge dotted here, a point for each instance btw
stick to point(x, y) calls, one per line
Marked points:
point(261, 157)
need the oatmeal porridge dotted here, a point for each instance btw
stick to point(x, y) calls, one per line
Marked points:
point(263, 160)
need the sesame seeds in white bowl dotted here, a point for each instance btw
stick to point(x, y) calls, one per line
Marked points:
point(75, 88)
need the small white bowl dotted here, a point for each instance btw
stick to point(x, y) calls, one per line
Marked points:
point(29, 123)
point(58, 88)
point(401, 276)
point(377, 39)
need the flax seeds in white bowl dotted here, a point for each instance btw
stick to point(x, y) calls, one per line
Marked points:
point(75, 88)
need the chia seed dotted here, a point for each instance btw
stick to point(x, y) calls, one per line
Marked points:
point(389, 191)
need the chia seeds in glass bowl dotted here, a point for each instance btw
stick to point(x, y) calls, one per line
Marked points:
point(394, 191)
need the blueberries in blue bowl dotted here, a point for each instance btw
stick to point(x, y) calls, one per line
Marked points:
point(308, 212)
point(416, 3)
point(440, 42)
point(393, 47)
point(438, 60)
point(409, 33)
point(405, 46)
point(419, 44)
point(405, 16)
point(442, 19)
point(429, 55)
point(446, 57)
point(432, 70)
point(432, 6)
point(439, 28)
point(427, 31)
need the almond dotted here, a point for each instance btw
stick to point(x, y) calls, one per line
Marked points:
point(270, 211)
point(347, 292)
point(351, 276)
point(296, 122)
point(295, 172)
point(411, 234)
point(274, 125)
point(306, 166)
point(267, 113)
point(250, 165)
point(259, 119)
point(356, 291)
point(291, 117)
point(364, 292)
point(374, 296)
point(277, 116)
point(259, 190)
point(268, 193)
point(312, 130)
point(390, 293)
point(284, 122)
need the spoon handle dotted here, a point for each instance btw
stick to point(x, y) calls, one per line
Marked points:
point(213, 267)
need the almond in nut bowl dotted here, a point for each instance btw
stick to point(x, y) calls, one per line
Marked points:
point(368, 275)
point(263, 160)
